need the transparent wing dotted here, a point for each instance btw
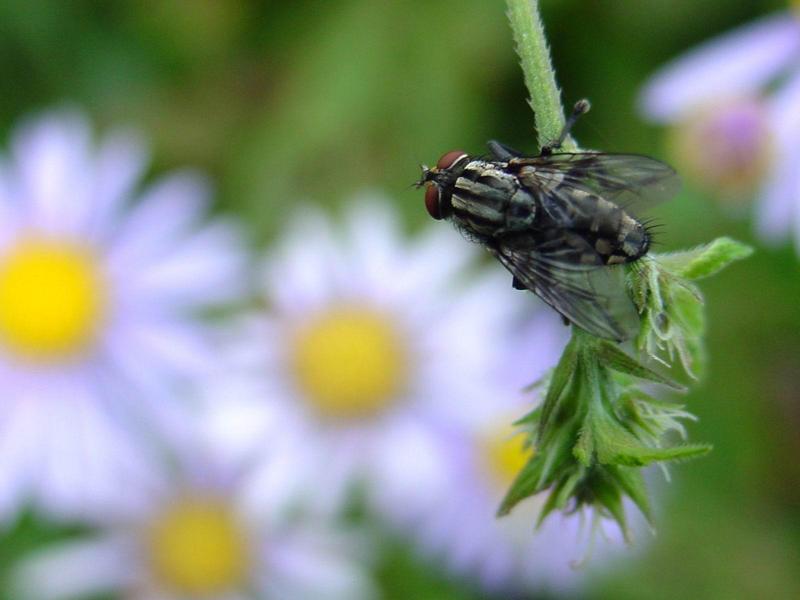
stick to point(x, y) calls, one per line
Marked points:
point(631, 181)
point(593, 297)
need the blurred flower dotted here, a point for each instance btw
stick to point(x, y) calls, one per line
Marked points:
point(200, 535)
point(466, 473)
point(726, 148)
point(99, 298)
point(734, 102)
point(366, 334)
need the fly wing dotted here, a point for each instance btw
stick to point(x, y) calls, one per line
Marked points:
point(631, 181)
point(591, 296)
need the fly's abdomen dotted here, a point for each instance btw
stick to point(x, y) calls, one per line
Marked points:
point(620, 239)
point(611, 232)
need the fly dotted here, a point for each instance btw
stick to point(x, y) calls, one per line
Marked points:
point(561, 223)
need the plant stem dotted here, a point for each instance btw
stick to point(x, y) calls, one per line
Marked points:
point(537, 69)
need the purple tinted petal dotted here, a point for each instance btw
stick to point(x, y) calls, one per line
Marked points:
point(166, 212)
point(734, 64)
point(120, 162)
point(780, 195)
point(784, 112)
point(52, 170)
point(74, 569)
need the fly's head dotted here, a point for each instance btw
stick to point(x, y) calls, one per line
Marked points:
point(439, 182)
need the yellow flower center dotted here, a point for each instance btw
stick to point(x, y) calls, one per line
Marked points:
point(198, 547)
point(52, 298)
point(505, 454)
point(350, 362)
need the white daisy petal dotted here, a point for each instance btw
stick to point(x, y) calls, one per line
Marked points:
point(20, 432)
point(438, 258)
point(144, 396)
point(313, 566)
point(75, 569)
point(120, 162)
point(171, 345)
point(372, 242)
point(779, 209)
point(395, 483)
point(305, 264)
point(83, 456)
point(51, 157)
point(732, 65)
point(783, 113)
point(167, 211)
point(204, 270)
point(780, 198)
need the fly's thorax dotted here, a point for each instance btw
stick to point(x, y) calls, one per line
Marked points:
point(487, 199)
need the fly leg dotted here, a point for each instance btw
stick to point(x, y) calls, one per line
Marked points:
point(502, 152)
point(581, 108)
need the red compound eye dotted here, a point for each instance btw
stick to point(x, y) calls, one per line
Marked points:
point(432, 201)
point(449, 159)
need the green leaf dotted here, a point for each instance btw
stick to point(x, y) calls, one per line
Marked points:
point(529, 418)
point(566, 489)
point(632, 483)
point(608, 495)
point(616, 445)
point(688, 310)
point(559, 496)
point(613, 357)
point(540, 471)
point(584, 448)
point(558, 381)
point(525, 484)
point(543, 381)
point(705, 260)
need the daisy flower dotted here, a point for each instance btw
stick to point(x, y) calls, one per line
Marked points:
point(733, 104)
point(101, 282)
point(198, 534)
point(364, 332)
point(467, 471)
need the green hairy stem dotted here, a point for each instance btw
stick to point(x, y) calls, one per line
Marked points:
point(537, 69)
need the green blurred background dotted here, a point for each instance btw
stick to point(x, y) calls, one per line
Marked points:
point(284, 102)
